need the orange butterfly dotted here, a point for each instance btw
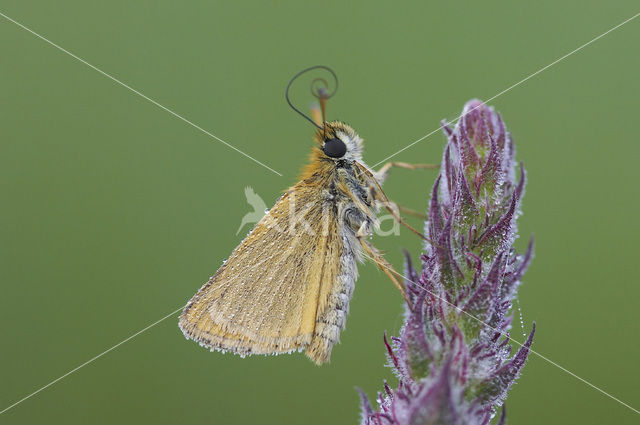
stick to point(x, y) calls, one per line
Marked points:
point(287, 286)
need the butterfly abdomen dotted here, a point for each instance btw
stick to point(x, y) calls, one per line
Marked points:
point(331, 321)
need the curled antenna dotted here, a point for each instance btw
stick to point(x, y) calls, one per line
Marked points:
point(318, 89)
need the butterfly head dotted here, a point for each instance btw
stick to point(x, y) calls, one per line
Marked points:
point(338, 141)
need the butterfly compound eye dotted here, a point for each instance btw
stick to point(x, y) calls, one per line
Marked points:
point(335, 148)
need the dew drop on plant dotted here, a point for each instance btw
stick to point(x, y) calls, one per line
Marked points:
point(524, 334)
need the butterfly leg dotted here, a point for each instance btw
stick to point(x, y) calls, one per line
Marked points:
point(413, 213)
point(393, 208)
point(409, 211)
point(376, 256)
point(379, 196)
point(382, 174)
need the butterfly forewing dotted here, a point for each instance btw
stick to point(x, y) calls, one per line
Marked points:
point(282, 288)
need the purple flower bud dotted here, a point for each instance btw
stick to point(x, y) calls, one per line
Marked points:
point(453, 356)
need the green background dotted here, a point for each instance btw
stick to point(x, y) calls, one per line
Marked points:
point(114, 212)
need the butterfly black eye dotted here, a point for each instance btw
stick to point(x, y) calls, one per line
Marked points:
point(335, 148)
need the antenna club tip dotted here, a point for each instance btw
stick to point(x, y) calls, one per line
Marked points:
point(323, 93)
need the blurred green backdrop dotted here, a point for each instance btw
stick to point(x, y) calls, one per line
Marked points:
point(114, 212)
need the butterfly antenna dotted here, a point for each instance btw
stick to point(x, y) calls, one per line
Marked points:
point(320, 92)
point(322, 98)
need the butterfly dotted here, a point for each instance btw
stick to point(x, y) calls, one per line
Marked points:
point(288, 285)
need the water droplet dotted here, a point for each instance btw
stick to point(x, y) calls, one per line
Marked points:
point(524, 334)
